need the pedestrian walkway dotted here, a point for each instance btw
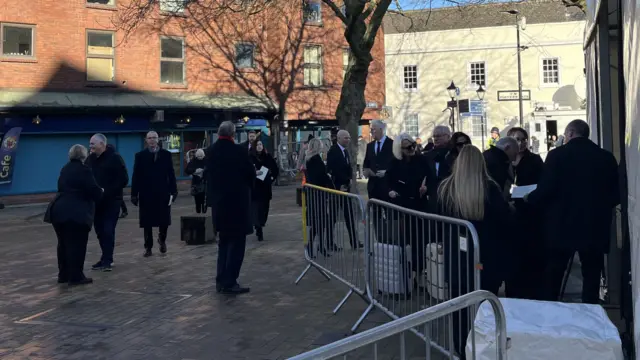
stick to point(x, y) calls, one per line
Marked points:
point(167, 307)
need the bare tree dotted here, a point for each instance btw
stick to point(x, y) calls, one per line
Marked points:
point(269, 33)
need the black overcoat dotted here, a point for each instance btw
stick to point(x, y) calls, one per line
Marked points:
point(377, 186)
point(262, 188)
point(230, 176)
point(153, 182)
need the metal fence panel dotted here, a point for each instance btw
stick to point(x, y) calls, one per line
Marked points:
point(366, 345)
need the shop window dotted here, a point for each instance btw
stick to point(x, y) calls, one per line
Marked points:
point(100, 56)
point(17, 40)
point(171, 142)
point(245, 55)
point(192, 141)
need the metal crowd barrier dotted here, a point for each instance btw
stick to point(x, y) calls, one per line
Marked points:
point(419, 260)
point(334, 233)
point(356, 345)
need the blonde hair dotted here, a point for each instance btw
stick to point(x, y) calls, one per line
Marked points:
point(314, 147)
point(78, 152)
point(397, 144)
point(463, 193)
point(200, 154)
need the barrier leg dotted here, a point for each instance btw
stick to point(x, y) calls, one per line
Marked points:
point(343, 301)
point(304, 272)
point(361, 319)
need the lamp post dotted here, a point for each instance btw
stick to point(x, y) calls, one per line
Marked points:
point(520, 48)
point(481, 92)
point(452, 105)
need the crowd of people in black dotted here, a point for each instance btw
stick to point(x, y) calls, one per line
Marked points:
point(526, 243)
point(90, 195)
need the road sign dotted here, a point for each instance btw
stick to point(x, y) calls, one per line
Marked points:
point(475, 108)
point(513, 95)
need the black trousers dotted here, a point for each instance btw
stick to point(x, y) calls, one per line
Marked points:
point(123, 207)
point(231, 249)
point(347, 211)
point(592, 265)
point(148, 236)
point(201, 208)
point(260, 212)
point(72, 249)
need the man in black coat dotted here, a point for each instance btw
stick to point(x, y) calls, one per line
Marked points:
point(499, 159)
point(230, 177)
point(251, 138)
point(439, 161)
point(339, 166)
point(577, 193)
point(153, 190)
point(111, 174)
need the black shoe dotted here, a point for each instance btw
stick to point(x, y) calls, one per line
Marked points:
point(218, 287)
point(81, 282)
point(62, 280)
point(107, 268)
point(259, 234)
point(124, 215)
point(97, 266)
point(163, 246)
point(235, 290)
point(147, 253)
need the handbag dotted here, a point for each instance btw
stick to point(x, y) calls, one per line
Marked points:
point(197, 189)
point(47, 214)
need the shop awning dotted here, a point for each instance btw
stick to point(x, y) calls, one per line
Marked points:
point(25, 99)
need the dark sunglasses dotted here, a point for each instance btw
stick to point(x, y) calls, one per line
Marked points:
point(410, 147)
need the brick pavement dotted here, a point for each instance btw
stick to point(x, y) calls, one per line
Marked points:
point(165, 307)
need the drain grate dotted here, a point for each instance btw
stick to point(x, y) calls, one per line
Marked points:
point(106, 309)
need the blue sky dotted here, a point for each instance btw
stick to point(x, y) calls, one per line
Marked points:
point(418, 4)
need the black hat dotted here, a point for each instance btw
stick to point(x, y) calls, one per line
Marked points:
point(495, 130)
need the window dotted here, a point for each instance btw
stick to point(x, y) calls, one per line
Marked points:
point(476, 126)
point(17, 40)
point(173, 6)
point(102, 2)
point(346, 54)
point(477, 74)
point(411, 126)
point(410, 77)
point(550, 72)
point(172, 61)
point(312, 11)
point(313, 65)
point(245, 55)
point(100, 56)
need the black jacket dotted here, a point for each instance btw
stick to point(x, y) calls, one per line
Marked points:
point(110, 173)
point(377, 187)
point(77, 195)
point(262, 189)
point(577, 193)
point(192, 167)
point(498, 166)
point(230, 179)
point(317, 172)
point(405, 177)
point(339, 167)
point(154, 182)
point(442, 157)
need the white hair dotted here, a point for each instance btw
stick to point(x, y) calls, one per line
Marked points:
point(442, 129)
point(152, 133)
point(314, 147)
point(200, 154)
point(507, 141)
point(379, 123)
point(342, 133)
point(397, 144)
point(78, 152)
point(227, 128)
point(101, 138)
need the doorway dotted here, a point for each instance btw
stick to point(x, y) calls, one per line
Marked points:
point(552, 133)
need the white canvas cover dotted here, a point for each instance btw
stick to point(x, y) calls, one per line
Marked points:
point(544, 330)
point(631, 36)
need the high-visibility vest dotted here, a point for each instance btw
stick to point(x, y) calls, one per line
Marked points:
point(304, 179)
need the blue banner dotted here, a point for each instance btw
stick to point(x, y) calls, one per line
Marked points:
point(8, 154)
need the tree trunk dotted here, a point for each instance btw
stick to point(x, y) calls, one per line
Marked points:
point(352, 105)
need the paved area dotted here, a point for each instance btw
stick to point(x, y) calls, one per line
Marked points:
point(165, 307)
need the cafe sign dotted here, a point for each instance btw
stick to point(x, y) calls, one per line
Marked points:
point(8, 149)
point(512, 95)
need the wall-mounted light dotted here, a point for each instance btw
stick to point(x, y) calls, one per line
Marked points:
point(187, 120)
point(246, 119)
point(36, 120)
point(120, 120)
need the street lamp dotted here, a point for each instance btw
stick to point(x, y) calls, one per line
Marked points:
point(481, 92)
point(452, 105)
point(520, 48)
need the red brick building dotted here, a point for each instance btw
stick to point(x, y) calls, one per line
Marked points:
point(72, 68)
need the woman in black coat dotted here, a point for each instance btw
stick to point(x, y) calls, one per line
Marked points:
point(527, 278)
point(262, 194)
point(317, 208)
point(195, 168)
point(71, 214)
point(470, 194)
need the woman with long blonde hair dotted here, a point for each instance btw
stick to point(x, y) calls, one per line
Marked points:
point(470, 194)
